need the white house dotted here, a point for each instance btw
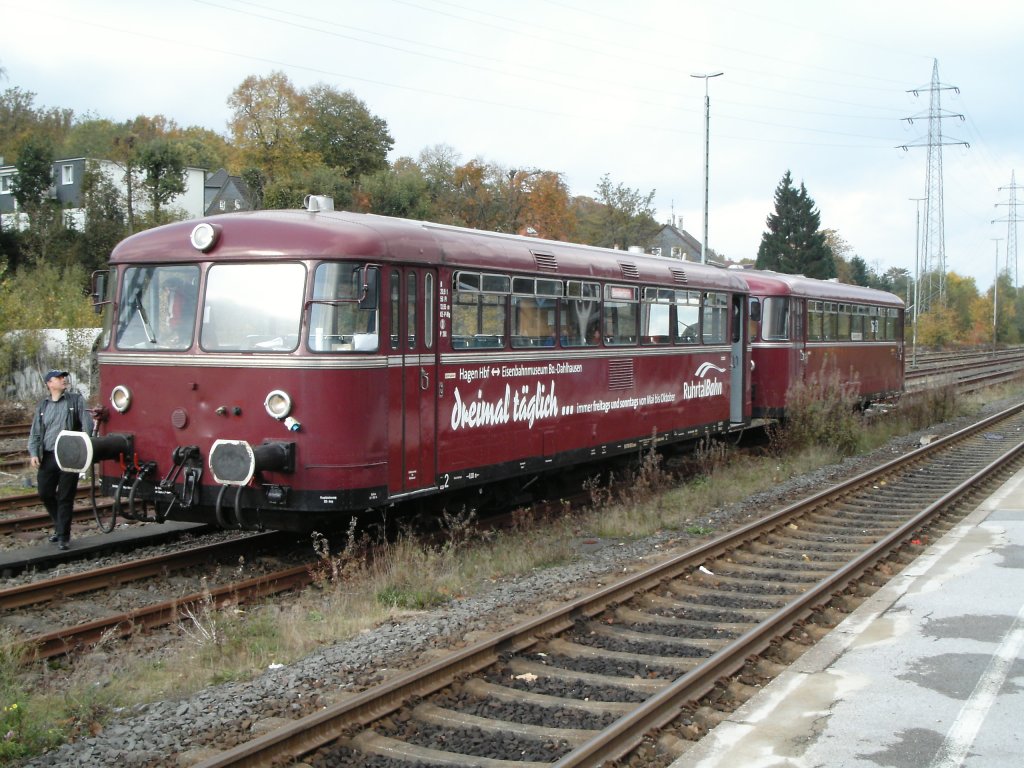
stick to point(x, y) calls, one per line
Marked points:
point(67, 190)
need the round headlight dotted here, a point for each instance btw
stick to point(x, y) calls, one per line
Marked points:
point(121, 398)
point(278, 404)
point(204, 236)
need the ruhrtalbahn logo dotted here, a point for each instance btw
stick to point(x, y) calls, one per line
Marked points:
point(704, 387)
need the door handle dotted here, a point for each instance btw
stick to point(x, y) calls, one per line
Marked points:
point(424, 380)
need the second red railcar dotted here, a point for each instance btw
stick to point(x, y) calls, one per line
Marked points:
point(809, 329)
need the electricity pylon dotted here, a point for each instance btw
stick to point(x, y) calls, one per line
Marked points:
point(1011, 228)
point(933, 246)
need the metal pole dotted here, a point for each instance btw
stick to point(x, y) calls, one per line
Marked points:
point(917, 278)
point(707, 137)
point(995, 299)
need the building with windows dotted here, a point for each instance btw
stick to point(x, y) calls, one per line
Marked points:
point(68, 176)
point(225, 194)
point(675, 243)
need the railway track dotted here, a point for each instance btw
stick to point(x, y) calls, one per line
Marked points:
point(32, 600)
point(11, 431)
point(591, 681)
point(21, 520)
point(969, 371)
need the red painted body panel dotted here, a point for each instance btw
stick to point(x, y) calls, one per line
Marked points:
point(874, 366)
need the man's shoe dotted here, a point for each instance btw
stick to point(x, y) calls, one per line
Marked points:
point(54, 538)
point(63, 544)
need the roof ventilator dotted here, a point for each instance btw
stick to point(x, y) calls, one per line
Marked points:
point(545, 261)
point(314, 203)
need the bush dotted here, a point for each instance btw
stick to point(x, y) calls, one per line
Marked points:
point(821, 411)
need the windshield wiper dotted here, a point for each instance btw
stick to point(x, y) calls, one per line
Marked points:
point(145, 321)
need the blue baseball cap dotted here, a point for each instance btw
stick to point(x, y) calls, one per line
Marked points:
point(50, 374)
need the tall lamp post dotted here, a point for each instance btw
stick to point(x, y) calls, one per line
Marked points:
point(707, 125)
point(917, 276)
point(995, 299)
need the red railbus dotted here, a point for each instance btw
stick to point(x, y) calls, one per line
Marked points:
point(288, 369)
point(809, 328)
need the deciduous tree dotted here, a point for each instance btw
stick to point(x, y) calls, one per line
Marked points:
point(400, 191)
point(17, 118)
point(290, 190)
point(342, 132)
point(163, 173)
point(204, 148)
point(622, 217)
point(438, 164)
point(476, 195)
point(34, 174)
point(92, 137)
point(267, 120)
point(105, 220)
point(549, 208)
point(20, 119)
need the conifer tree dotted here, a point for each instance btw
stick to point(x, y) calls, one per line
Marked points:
point(794, 243)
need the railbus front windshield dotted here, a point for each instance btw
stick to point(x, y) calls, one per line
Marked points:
point(157, 309)
point(253, 307)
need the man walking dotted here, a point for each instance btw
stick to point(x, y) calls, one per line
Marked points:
point(59, 411)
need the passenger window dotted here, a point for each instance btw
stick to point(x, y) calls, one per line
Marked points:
point(535, 313)
point(814, 321)
point(716, 317)
point(620, 315)
point(687, 317)
point(479, 310)
point(775, 319)
point(581, 314)
point(655, 316)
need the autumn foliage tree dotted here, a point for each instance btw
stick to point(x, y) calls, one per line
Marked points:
point(267, 123)
point(548, 208)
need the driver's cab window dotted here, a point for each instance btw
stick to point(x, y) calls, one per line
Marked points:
point(157, 308)
point(343, 317)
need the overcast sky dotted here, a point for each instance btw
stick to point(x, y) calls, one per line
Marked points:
point(594, 87)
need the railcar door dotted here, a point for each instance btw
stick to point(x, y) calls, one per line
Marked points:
point(802, 329)
point(739, 392)
point(412, 363)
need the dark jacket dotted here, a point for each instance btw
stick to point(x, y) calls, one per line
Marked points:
point(76, 418)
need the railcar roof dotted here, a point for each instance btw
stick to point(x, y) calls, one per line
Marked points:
point(764, 283)
point(300, 234)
